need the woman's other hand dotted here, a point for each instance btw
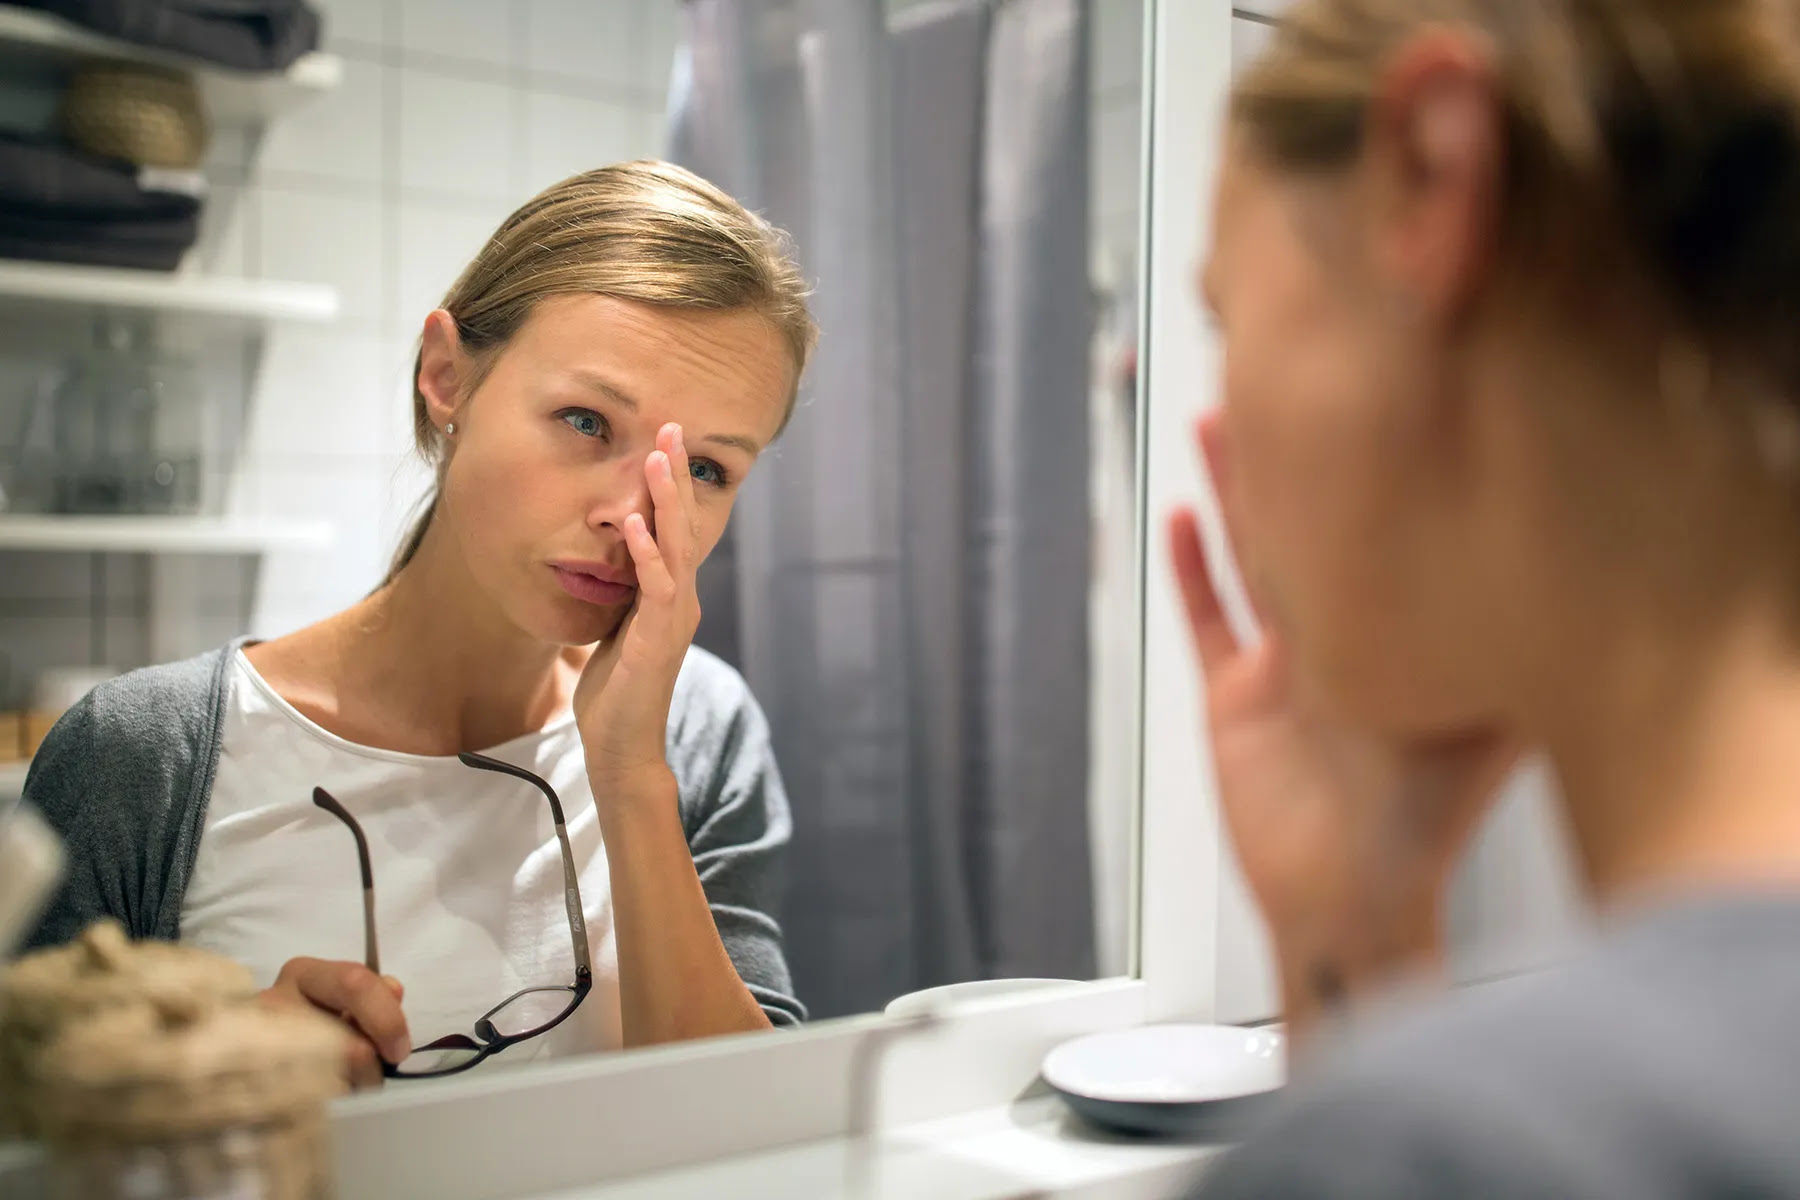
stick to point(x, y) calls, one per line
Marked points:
point(1347, 841)
point(368, 1004)
point(622, 699)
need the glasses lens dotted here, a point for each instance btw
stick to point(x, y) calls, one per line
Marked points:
point(434, 1059)
point(530, 1011)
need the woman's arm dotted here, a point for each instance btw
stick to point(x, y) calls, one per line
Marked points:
point(677, 979)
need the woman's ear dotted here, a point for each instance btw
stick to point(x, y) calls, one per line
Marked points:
point(443, 367)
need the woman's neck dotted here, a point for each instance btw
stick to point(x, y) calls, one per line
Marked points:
point(1679, 759)
point(431, 662)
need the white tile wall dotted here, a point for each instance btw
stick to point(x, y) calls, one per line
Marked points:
point(568, 134)
point(325, 237)
point(340, 136)
point(456, 135)
point(435, 239)
point(459, 30)
point(586, 40)
point(353, 25)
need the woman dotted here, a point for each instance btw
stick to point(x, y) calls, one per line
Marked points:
point(1511, 409)
point(592, 393)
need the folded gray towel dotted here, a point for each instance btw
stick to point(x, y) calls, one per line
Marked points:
point(251, 35)
point(42, 178)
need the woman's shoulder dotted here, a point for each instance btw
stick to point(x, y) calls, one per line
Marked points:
point(1652, 1051)
point(155, 723)
point(149, 707)
point(718, 739)
point(709, 682)
point(123, 778)
point(712, 703)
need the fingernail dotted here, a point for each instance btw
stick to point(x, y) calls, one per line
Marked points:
point(678, 437)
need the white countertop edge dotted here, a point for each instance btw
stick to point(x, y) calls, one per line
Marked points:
point(1031, 1148)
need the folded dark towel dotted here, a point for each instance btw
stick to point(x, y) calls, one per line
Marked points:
point(251, 35)
point(154, 243)
point(51, 179)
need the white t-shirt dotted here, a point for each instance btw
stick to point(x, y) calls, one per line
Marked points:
point(467, 868)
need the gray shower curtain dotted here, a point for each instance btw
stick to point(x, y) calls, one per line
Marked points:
point(906, 580)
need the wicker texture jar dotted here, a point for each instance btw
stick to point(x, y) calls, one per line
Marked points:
point(46, 993)
point(183, 1098)
point(143, 115)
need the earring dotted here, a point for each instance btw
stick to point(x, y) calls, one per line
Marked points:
point(450, 429)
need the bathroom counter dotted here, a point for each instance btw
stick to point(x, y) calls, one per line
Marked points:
point(1032, 1148)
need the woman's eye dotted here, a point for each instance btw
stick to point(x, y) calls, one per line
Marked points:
point(707, 471)
point(584, 422)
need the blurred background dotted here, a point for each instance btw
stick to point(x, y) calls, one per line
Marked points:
point(204, 393)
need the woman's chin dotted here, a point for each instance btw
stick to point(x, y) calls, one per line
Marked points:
point(578, 624)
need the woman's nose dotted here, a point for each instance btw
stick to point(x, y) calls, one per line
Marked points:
point(625, 493)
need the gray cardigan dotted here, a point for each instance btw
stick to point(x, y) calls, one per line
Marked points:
point(126, 775)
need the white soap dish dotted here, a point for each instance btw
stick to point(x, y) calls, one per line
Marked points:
point(1180, 1080)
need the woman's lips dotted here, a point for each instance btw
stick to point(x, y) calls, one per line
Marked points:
point(594, 590)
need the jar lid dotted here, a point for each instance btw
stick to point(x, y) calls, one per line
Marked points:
point(103, 969)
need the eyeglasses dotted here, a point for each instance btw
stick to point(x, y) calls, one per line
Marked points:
point(521, 1016)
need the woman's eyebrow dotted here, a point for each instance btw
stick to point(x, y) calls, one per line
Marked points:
point(735, 440)
point(592, 382)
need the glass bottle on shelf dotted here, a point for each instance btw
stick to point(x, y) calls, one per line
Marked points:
point(131, 426)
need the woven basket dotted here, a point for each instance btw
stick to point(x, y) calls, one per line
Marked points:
point(208, 1100)
point(46, 993)
point(144, 115)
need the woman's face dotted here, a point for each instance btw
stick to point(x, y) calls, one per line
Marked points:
point(1357, 495)
point(548, 456)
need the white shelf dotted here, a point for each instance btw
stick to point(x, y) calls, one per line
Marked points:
point(209, 298)
point(163, 535)
point(31, 38)
point(12, 779)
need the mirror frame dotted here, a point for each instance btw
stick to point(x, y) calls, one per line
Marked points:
point(595, 1120)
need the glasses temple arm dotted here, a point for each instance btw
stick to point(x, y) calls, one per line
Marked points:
point(371, 951)
point(571, 885)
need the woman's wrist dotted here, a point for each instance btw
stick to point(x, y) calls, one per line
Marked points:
point(624, 788)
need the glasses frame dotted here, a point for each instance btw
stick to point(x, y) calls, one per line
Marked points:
point(484, 1040)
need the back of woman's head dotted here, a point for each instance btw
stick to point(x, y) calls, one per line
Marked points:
point(1655, 139)
point(648, 232)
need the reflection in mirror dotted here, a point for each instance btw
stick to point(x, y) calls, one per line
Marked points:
point(416, 532)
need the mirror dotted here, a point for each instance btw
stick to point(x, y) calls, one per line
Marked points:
point(928, 582)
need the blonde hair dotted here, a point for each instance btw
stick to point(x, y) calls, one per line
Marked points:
point(1657, 136)
point(644, 231)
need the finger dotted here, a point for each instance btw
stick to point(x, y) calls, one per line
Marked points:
point(674, 532)
point(361, 997)
point(1212, 633)
point(1215, 452)
point(684, 481)
point(656, 585)
point(362, 1064)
